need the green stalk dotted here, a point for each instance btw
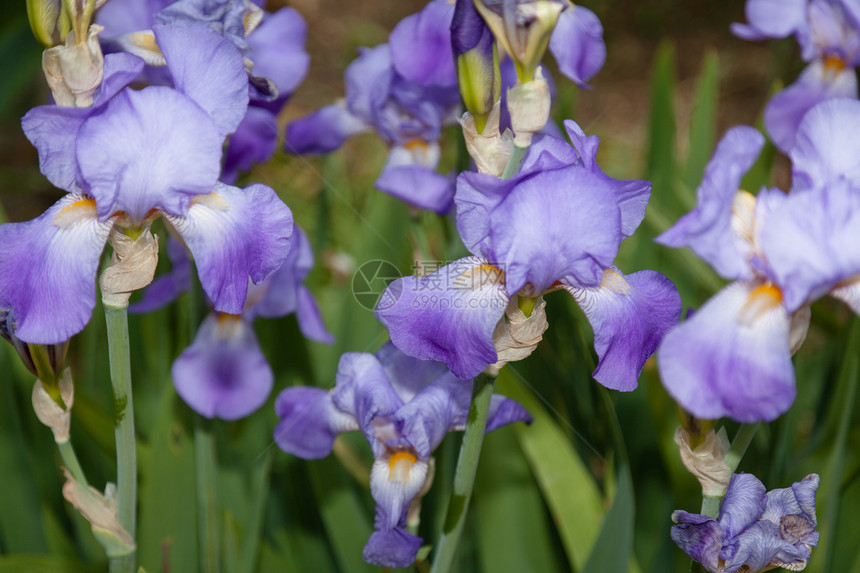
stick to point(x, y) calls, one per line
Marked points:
point(464, 478)
point(515, 161)
point(711, 503)
point(70, 459)
point(126, 453)
point(207, 509)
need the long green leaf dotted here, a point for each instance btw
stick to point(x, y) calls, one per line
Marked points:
point(703, 120)
point(614, 547)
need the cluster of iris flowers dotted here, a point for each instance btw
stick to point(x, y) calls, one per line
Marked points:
point(158, 107)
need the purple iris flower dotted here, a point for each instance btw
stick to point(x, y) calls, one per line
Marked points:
point(756, 530)
point(784, 251)
point(556, 225)
point(127, 160)
point(404, 407)
point(828, 32)
point(272, 45)
point(406, 91)
point(224, 373)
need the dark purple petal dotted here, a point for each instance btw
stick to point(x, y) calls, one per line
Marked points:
point(166, 288)
point(577, 44)
point(149, 149)
point(254, 141)
point(209, 69)
point(732, 357)
point(364, 391)
point(810, 242)
point(419, 186)
point(48, 268)
point(468, 30)
point(786, 109)
point(448, 316)
point(742, 505)
point(699, 537)
point(707, 229)
point(322, 131)
point(823, 150)
point(421, 46)
point(504, 411)
point(630, 316)
point(309, 422)
point(278, 50)
point(392, 548)
point(223, 373)
point(235, 234)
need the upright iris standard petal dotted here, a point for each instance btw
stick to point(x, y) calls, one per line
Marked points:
point(53, 129)
point(786, 109)
point(309, 422)
point(742, 505)
point(235, 234)
point(368, 82)
point(223, 373)
point(760, 547)
point(577, 44)
point(824, 149)
point(149, 149)
point(48, 268)
point(708, 228)
point(322, 131)
point(732, 357)
point(448, 316)
point(630, 316)
point(310, 320)
point(421, 46)
point(254, 141)
point(772, 19)
point(209, 69)
point(278, 50)
point(810, 242)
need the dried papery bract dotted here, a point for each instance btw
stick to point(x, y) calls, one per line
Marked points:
point(517, 335)
point(74, 70)
point(707, 460)
point(132, 266)
point(52, 414)
point(529, 104)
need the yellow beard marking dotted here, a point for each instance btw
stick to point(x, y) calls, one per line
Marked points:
point(478, 277)
point(833, 64)
point(743, 216)
point(147, 42)
point(74, 212)
point(399, 466)
point(212, 201)
point(615, 282)
point(762, 300)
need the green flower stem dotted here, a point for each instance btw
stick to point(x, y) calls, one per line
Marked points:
point(126, 452)
point(208, 530)
point(515, 161)
point(711, 503)
point(70, 459)
point(464, 478)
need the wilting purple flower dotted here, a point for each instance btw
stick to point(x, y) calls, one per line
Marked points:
point(555, 225)
point(406, 97)
point(224, 373)
point(131, 158)
point(828, 32)
point(733, 357)
point(755, 530)
point(404, 407)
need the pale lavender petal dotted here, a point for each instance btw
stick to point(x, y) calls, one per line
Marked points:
point(123, 16)
point(310, 320)
point(278, 50)
point(742, 505)
point(392, 548)
point(149, 149)
point(309, 422)
point(448, 316)
point(166, 288)
point(368, 82)
point(119, 71)
point(699, 537)
point(254, 141)
point(364, 391)
point(477, 195)
point(732, 357)
point(799, 499)
point(758, 546)
point(208, 68)
point(280, 291)
point(223, 373)
point(772, 19)
point(421, 46)
point(322, 131)
point(810, 242)
point(233, 235)
point(825, 143)
point(786, 109)
point(577, 44)
point(630, 316)
point(408, 375)
point(707, 229)
point(438, 408)
point(48, 269)
point(504, 411)
point(419, 186)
